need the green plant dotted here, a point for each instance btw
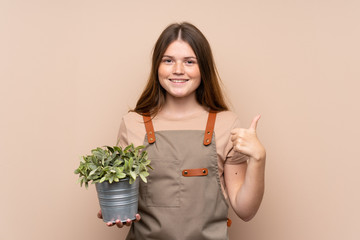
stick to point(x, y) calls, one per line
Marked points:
point(112, 164)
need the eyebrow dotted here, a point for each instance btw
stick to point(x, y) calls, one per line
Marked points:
point(184, 57)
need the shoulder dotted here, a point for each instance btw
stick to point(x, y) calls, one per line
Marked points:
point(227, 119)
point(131, 129)
point(225, 122)
point(229, 115)
point(132, 116)
point(133, 121)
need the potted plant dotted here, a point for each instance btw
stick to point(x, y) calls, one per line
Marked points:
point(115, 172)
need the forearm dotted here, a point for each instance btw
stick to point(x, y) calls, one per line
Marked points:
point(249, 196)
point(246, 188)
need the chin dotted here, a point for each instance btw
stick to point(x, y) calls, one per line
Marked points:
point(179, 95)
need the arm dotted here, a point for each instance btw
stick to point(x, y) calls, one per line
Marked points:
point(245, 181)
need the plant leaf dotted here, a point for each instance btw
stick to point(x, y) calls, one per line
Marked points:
point(110, 149)
point(92, 172)
point(139, 147)
point(143, 177)
point(126, 166)
point(121, 175)
point(102, 179)
point(131, 163)
point(127, 148)
point(118, 149)
point(145, 173)
point(132, 175)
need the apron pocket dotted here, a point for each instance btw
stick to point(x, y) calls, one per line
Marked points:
point(163, 187)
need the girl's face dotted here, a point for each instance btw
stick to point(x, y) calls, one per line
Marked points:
point(179, 72)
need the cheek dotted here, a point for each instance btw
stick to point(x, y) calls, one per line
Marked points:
point(162, 76)
point(163, 71)
point(195, 73)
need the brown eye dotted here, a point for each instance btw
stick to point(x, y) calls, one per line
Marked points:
point(167, 60)
point(190, 62)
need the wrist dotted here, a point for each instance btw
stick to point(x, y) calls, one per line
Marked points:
point(259, 157)
point(257, 162)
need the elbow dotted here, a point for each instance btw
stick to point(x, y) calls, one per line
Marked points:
point(247, 210)
point(246, 217)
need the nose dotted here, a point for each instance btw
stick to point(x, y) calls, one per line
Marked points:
point(178, 68)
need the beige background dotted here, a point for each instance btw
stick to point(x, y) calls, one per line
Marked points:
point(70, 69)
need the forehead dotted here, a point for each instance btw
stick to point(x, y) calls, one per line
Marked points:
point(179, 48)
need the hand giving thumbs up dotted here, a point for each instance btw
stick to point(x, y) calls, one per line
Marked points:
point(246, 141)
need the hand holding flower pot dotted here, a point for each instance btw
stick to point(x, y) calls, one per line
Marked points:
point(115, 172)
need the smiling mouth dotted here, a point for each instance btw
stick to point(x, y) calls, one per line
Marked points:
point(176, 80)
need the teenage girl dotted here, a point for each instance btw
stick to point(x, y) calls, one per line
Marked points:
point(202, 158)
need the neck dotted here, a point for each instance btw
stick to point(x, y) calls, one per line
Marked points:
point(177, 108)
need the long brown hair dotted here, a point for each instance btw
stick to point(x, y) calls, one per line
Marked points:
point(208, 94)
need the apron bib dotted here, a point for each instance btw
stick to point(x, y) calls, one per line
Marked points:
point(182, 199)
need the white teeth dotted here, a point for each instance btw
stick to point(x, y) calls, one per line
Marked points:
point(178, 80)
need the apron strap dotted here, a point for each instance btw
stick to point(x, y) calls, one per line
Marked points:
point(208, 131)
point(229, 222)
point(209, 128)
point(149, 128)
